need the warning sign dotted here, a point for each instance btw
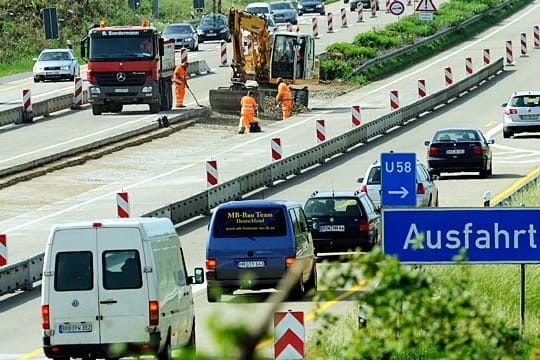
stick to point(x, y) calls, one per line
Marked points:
point(426, 6)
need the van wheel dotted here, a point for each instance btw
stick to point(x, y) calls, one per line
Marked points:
point(297, 292)
point(166, 354)
point(213, 294)
point(192, 340)
point(311, 285)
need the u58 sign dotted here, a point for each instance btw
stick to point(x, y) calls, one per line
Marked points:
point(398, 179)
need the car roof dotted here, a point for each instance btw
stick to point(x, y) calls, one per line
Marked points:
point(257, 4)
point(257, 203)
point(56, 50)
point(457, 129)
point(336, 194)
point(526, 92)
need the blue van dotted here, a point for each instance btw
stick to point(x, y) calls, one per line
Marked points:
point(252, 243)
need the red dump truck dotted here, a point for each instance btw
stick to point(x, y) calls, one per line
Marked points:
point(128, 65)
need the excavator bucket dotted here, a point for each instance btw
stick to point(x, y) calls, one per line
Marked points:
point(226, 100)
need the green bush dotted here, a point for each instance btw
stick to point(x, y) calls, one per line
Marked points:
point(347, 51)
point(334, 69)
point(380, 39)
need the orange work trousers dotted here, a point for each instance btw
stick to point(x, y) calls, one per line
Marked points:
point(286, 106)
point(180, 92)
point(245, 119)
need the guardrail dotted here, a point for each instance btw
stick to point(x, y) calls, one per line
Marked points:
point(46, 107)
point(203, 202)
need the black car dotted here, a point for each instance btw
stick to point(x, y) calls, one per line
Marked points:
point(342, 221)
point(459, 150)
point(310, 6)
point(213, 27)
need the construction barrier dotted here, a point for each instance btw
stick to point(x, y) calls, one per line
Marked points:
point(360, 9)
point(3, 250)
point(315, 27)
point(509, 58)
point(356, 116)
point(223, 53)
point(422, 88)
point(211, 173)
point(183, 56)
point(486, 56)
point(536, 36)
point(468, 66)
point(249, 46)
point(523, 42)
point(122, 204)
point(329, 21)
point(448, 79)
point(277, 152)
point(343, 18)
point(320, 131)
point(373, 8)
point(289, 335)
point(77, 94)
point(394, 100)
point(387, 6)
point(28, 113)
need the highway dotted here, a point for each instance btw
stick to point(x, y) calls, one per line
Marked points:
point(172, 168)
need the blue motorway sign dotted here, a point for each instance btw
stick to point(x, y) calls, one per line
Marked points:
point(437, 235)
point(398, 179)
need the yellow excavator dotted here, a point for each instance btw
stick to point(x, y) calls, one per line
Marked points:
point(286, 54)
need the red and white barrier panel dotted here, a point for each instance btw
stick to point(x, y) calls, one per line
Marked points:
point(289, 335)
point(509, 56)
point(448, 78)
point(320, 130)
point(394, 100)
point(77, 94)
point(421, 88)
point(343, 18)
point(277, 152)
point(356, 116)
point(468, 66)
point(28, 113)
point(536, 36)
point(211, 173)
point(329, 21)
point(373, 8)
point(122, 204)
point(523, 42)
point(360, 9)
point(249, 46)
point(183, 56)
point(315, 27)
point(3, 250)
point(387, 6)
point(223, 53)
point(486, 56)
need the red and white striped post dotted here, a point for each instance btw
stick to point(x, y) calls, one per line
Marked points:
point(360, 9)
point(509, 57)
point(3, 250)
point(122, 204)
point(320, 130)
point(387, 6)
point(536, 36)
point(373, 8)
point(422, 88)
point(468, 66)
point(277, 152)
point(315, 27)
point(356, 116)
point(329, 21)
point(183, 56)
point(289, 335)
point(249, 46)
point(223, 53)
point(523, 42)
point(211, 173)
point(28, 113)
point(77, 94)
point(344, 18)
point(448, 78)
point(394, 100)
point(486, 56)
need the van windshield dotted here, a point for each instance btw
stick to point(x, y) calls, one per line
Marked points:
point(246, 222)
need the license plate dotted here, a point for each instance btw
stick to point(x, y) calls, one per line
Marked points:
point(121, 90)
point(334, 228)
point(455, 151)
point(211, 34)
point(250, 264)
point(529, 117)
point(74, 328)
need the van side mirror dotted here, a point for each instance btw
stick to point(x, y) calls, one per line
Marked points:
point(360, 180)
point(198, 278)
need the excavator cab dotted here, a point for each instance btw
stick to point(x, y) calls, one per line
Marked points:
point(293, 56)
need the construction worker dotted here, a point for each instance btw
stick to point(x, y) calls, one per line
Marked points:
point(247, 113)
point(284, 96)
point(180, 84)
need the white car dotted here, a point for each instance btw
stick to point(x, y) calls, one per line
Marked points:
point(427, 193)
point(56, 64)
point(259, 8)
point(521, 113)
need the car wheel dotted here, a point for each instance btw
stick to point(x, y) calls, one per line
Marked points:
point(322, 13)
point(434, 173)
point(300, 13)
point(36, 79)
point(490, 170)
point(483, 173)
point(507, 133)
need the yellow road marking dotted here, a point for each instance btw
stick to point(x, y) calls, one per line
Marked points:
point(516, 185)
point(32, 354)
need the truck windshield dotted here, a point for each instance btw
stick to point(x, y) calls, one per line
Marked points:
point(121, 48)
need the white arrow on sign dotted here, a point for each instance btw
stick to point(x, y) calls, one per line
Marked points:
point(403, 192)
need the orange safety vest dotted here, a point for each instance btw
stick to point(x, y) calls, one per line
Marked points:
point(180, 75)
point(248, 105)
point(284, 93)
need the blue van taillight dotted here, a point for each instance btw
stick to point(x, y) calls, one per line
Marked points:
point(289, 261)
point(211, 264)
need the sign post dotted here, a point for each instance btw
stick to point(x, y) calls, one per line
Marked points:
point(398, 179)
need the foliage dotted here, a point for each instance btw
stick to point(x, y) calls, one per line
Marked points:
point(332, 68)
point(346, 51)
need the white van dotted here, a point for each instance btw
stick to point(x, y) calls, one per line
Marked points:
point(117, 287)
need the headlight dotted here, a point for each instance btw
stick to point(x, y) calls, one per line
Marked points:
point(189, 39)
point(224, 30)
point(65, 67)
point(300, 6)
point(199, 31)
point(318, 6)
point(146, 89)
point(95, 90)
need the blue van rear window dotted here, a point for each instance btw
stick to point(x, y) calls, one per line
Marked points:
point(244, 222)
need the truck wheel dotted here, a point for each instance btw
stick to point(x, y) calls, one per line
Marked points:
point(154, 108)
point(97, 109)
point(116, 108)
point(166, 101)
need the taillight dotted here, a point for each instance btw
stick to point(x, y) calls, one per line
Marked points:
point(289, 261)
point(510, 111)
point(210, 264)
point(432, 151)
point(420, 188)
point(364, 225)
point(477, 150)
point(45, 324)
point(363, 188)
point(153, 307)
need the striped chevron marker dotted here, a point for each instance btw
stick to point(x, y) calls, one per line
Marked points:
point(289, 335)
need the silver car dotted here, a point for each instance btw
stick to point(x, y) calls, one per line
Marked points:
point(284, 12)
point(427, 193)
point(56, 64)
point(183, 35)
point(521, 113)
